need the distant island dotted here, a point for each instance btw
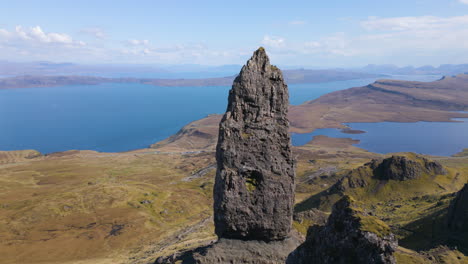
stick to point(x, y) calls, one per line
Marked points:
point(444, 69)
point(383, 100)
point(48, 74)
point(291, 76)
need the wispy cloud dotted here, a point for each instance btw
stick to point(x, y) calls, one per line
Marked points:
point(399, 40)
point(273, 41)
point(299, 22)
point(36, 35)
point(463, 2)
point(34, 43)
point(137, 42)
point(424, 33)
point(94, 32)
point(414, 23)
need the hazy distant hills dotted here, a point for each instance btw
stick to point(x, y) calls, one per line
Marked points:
point(316, 76)
point(195, 71)
point(291, 76)
point(445, 69)
point(44, 74)
point(116, 70)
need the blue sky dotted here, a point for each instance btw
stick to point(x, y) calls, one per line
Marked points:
point(295, 33)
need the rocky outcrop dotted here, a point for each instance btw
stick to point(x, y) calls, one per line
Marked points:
point(237, 251)
point(351, 235)
point(254, 186)
point(356, 178)
point(398, 168)
point(458, 212)
point(401, 168)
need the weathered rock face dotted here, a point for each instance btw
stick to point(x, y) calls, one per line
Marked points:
point(458, 212)
point(350, 236)
point(254, 186)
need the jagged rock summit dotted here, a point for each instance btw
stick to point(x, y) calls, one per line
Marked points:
point(254, 186)
point(350, 236)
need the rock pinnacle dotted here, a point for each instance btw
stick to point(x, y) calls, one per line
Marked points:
point(254, 186)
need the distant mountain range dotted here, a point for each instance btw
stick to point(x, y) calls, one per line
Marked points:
point(195, 71)
point(291, 76)
point(44, 74)
point(445, 69)
point(116, 70)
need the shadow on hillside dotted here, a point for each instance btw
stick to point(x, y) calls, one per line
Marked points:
point(323, 201)
point(431, 231)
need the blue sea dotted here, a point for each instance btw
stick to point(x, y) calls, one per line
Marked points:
point(434, 138)
point(120, 117)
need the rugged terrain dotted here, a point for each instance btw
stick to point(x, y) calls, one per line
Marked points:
point(133, 207)
point(89, 207)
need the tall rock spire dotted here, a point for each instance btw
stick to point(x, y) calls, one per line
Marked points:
point(254, 187)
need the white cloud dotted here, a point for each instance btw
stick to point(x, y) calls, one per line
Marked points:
point(273, 41)
point(398, 40)
point(299, 22)
point(94, 32)
point(418, 34)
point(35, 35)
point(34, 43)
point(414, 23)
point(463, 2)
point(136, 42)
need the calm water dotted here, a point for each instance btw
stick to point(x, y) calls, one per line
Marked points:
point(434, 138)
point(120, 117)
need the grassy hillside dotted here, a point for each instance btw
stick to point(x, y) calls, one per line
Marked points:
point(90, 207)
point(87, 205)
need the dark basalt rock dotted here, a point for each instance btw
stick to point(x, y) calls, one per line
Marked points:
point(236, 251)
point(458, 212)
point(350, 236)
point(254, 186)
